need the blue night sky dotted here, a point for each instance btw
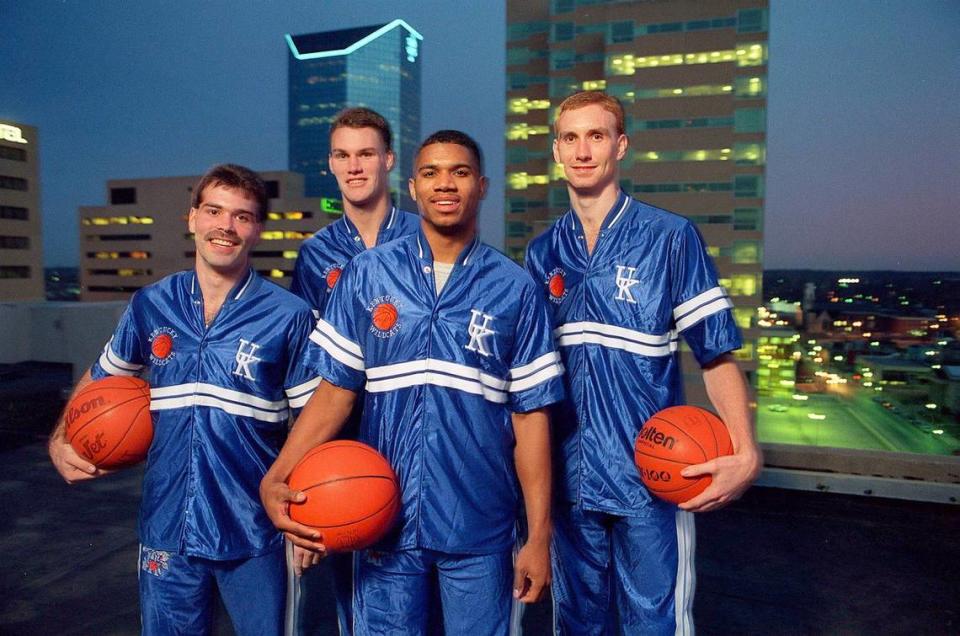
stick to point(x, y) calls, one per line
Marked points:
point(863, 116)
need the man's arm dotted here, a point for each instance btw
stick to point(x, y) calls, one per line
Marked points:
point(532, 459)
point(732, 474)
point(71, 466)
point(319, 421)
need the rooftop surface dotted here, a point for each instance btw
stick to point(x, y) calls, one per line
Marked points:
point(776, 562)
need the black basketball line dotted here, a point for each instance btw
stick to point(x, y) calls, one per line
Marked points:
point(127, 432)
point(686, 434)
point(99, 415)
point(705, 416)
point(353, 521)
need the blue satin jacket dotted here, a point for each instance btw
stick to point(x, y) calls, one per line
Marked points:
point(618, 314)
point(442, 376)
point(221, 398)
point(323, 256)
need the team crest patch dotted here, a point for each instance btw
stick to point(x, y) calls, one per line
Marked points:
point(162, 341)
point(384, 316)
point(155, 562)
point(331, 275)
point(626, 280)
point(556, 285)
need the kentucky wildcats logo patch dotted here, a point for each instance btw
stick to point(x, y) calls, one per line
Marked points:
point(162, 349)
point(556, 285)
point(384, 316)
point(155, 562)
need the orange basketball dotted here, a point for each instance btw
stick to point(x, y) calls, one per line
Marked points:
point(384, 316)
point(162, 345)
point(353, 495)
point(108, 422)
point(557, 286)
point(673, 439)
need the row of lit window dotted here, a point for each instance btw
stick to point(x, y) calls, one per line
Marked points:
point(138, 255)
point(117, 220)
point(296, 215)
point(522, 105)
point(742, 154)
point(523, 130)
point(743, 87)
point(740, 253)
point(123, 271)
point(744, 55)
point(741, 284)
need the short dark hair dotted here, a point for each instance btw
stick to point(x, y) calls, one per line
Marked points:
point(236, 177)
point(363, 118)
point(455, 137)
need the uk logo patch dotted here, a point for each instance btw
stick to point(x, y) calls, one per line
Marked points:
point(626, 280)
point(163, 345)
point(479, 330)
point(556, 283)
point(384, 316)
point(155, 562)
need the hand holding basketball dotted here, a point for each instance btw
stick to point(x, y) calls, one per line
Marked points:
point(108, 422)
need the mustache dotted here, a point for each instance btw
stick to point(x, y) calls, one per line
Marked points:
point(221, 234)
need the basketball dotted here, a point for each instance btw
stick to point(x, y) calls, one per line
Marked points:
point(352, 494)
point(673, 439)
point(108, 422)
point(384, 316)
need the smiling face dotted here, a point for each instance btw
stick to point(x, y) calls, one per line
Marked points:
point(590, 149)
point(447, 186)
point(361, 162)
point(225, 228)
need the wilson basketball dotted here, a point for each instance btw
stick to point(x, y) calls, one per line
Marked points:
point(353, 495)
point(673, 439)
point(108, 422)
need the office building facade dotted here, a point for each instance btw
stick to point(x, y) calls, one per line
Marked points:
point(376, 67)
point(692, 76)
point(141, 235)
point(21, 248)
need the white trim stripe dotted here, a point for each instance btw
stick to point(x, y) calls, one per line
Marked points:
point(323, 341)
point(185, 401)
point(245, 285)
point(616, 343)
point(686, 573)
point(700, 299)
point(574, 328)
point(517, 373)
point(346, 344)
point(430, 364)
point(115, 365)
point(626, 202)
point(316, 313)
point(393, 216)
point(552, 371)
point(305, 387)
point(720, 304)
point(213, 390)
point(438, 379)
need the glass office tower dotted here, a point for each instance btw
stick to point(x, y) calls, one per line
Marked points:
point(375, 66)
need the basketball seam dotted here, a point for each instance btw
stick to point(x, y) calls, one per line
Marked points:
point(99, 415)
point(127, 432)
point(688, 435)
point(372, 514)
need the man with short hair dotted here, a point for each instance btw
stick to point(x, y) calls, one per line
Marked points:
point(361, 158)
point(451, 342)
point(623, 279)
point(221, 395)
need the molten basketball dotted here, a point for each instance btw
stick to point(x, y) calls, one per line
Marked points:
point(352, 494)
point(384, 316)
point(673, 439)
point(108, 422)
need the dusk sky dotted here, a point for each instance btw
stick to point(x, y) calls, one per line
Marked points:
point(863, 116)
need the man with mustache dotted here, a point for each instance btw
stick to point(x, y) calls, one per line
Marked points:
point(223, 349)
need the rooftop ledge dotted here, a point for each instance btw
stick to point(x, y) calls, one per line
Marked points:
point(911, 476)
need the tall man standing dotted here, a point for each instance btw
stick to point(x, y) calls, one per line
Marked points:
point(451, 341)
point(624, 279)
point(223, 348)
point(361, 158)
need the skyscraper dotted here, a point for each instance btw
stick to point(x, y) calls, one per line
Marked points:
point(375, 66)
point(21, 250)
point(692, 76)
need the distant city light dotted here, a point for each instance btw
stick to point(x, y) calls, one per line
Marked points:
point(937, 431)
point(816, 416)
point(848, 281)
point(800, 398)
point(931, 406)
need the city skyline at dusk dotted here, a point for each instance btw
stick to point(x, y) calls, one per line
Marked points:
point(861, 134)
